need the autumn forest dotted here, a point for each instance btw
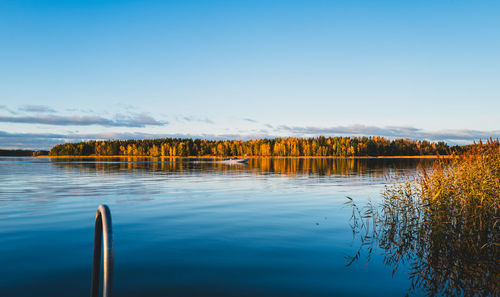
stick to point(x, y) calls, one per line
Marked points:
point(292, 147)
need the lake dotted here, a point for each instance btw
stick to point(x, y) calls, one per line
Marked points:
point(194, 227)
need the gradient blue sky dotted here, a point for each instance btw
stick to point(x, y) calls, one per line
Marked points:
point(72, 70)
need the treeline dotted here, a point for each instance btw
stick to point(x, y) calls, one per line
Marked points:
point(294, 147)
point(22, 153)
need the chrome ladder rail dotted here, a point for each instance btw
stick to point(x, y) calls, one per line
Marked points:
point(103, 230)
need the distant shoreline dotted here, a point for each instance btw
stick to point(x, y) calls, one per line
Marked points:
point(258, 157)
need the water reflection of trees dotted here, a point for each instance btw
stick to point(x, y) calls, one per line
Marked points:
point(281, 166)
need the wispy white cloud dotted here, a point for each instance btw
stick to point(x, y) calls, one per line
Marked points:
point(120, 120)
point(36, 108)
point(462, 135)
point(4, 107)
point(190, 119)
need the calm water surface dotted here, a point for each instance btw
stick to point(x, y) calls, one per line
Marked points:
point(275, 227)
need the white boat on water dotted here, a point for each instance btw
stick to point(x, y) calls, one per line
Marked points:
point(235, 161)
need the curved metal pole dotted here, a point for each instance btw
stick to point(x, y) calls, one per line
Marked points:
point(104, 230)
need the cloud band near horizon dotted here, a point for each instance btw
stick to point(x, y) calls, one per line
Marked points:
point(459, 135)
point(47, 140)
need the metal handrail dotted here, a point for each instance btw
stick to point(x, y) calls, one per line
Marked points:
point(103, 229)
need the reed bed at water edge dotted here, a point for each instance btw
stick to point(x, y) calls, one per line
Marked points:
point(444, 223)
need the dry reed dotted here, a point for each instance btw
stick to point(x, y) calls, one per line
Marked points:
point(443, 223)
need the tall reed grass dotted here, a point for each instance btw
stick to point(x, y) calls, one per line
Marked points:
point(443, 223)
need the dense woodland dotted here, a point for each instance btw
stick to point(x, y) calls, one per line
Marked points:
point(294, 147)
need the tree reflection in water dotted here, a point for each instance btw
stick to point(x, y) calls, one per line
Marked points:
point(347, 167)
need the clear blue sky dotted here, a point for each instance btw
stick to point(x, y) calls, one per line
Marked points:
point(72, 70)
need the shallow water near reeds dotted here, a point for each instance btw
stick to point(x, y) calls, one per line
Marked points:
point(187, 227)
